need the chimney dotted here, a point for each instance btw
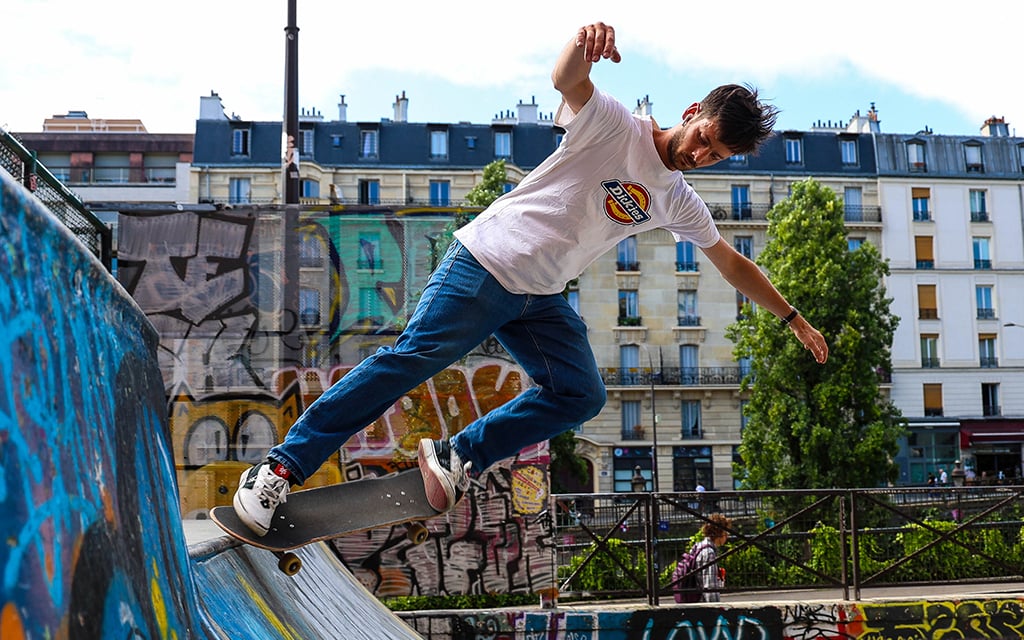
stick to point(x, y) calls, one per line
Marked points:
point(643, 107)
point(401, 108)
point(865, 124)
point(342, 110)
point(995, 128)
point(211, 107)
point(527, 113)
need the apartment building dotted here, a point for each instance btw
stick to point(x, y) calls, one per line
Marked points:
point(113, 164)
point(953, 235)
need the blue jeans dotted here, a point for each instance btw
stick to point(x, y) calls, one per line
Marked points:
point(461, 306)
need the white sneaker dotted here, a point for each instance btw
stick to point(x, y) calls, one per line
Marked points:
point(259, 492)
point(444, 474)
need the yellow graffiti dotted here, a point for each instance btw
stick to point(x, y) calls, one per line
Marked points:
point(267, 612)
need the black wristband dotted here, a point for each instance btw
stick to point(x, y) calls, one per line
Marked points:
point(793, 313)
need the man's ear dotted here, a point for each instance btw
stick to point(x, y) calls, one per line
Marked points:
point(691, 111)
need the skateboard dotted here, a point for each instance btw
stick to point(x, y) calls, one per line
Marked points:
point(323, 513)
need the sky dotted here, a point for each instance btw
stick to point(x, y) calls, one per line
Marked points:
point(922, 64)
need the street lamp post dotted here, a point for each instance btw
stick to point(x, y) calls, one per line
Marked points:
point(654, 424)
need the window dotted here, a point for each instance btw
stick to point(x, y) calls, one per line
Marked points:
point(852, 244)
point(689, 372)
point(629, 308)
point(923, 252)
point(368, 143)
point(306, 141)
point(982, 260)
point(741, 209)
point(626, 463)
point(629, 364)
point(738, 159)
point(919, 197)
point(691, 419)
point(1020, 154)
point(848, 152)
point(746, 364)
point(932, 399)
point(310, 251)
point(990, 399)
point(369, 192)
point(853, 204)
point(978, 211)
point(686, 256)
point(972, 158)
point(336, 139)
point(369, 251)
point(239, 191)
point(794, 150)
point(745, 245)
point(239, 142)
point(632, 427)
point(626, 259)
point(438, 143)
point(987, 357)
point(572, 296)
point(113, 167)
point(439, 193)
point(559, 135)
point(929, 351)
point(687, 303)
point(310, 188)
point(927, 309)
point(915, 156)
point(508, 186)
point(309, 306)
point(692, 466)
point(502, 144)
point(369, 307)
point(741, 302)
point(983, 298)
point(471, 142)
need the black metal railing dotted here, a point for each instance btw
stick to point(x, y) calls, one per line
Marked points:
point(626, 544)
point(744, 211)
point(675, 376)
point(57, 198)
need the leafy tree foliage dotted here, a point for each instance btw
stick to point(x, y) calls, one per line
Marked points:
point(490, 187)
point(810, 425)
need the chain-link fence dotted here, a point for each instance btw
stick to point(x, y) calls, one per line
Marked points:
point(23, 165)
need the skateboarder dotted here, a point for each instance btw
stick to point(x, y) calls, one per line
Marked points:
point(613, 176)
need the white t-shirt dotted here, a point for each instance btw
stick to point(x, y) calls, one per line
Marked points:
point(604, 183)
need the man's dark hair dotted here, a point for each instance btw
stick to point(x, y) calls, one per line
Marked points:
point(744, 122)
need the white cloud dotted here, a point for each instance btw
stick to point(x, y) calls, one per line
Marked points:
point(153, 61)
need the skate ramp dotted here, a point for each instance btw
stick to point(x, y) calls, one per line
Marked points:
point(93, 539)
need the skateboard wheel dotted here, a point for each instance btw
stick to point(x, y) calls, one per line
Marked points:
point(416, 532)
point(289, 564)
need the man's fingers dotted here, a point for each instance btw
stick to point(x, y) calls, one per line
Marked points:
point(598, 41)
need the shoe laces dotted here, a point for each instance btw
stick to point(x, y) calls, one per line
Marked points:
point(273, 489)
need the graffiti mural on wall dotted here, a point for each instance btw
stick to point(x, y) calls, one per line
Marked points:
point(975, 618)
point(259, 312)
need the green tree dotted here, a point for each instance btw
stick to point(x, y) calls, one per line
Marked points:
point(810, 425)
point(490, 187)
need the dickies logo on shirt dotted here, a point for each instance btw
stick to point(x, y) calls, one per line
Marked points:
point(627, 202)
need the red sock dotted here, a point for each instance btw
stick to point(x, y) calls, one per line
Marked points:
point(281, 470)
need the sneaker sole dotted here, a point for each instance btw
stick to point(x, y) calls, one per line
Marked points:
point(439, 489)
point(243, 515)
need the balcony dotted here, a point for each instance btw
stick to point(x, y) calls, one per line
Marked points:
point(687, 267)
point(627, 266)
point(670, 376)
point(982, 265)
point(746, 211)
point(925, 264)
point(989, 410)
point(928, 314)
point(989, 362)
point(930, 363)
point(979, 216)
point(986, 313)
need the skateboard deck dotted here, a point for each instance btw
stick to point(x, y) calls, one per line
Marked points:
point(323, 513)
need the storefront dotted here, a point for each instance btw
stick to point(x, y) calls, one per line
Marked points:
point(992, 449)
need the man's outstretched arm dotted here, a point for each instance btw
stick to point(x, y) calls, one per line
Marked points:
point(571, 75)
point(749, 280)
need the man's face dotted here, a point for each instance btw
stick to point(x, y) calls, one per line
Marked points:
point(695, 144)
